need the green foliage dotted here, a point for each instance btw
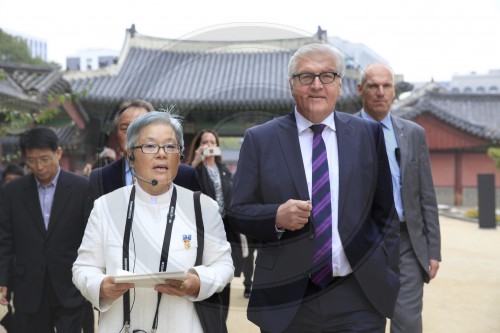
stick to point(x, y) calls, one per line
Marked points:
point(473, 213)
point(13, 49)
point(13, 120)
point(230, 142)
point(494, 153)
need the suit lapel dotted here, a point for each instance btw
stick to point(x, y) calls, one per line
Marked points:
point(61, 197)
point(116, 178)
point(121, 176)
point(402, 140)
point(346, 146)
point(32, 204)
point(289, 141)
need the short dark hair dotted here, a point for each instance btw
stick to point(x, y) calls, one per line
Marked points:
point(39, 138)
point(13, 169)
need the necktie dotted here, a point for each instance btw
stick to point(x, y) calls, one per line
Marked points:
point(322, 211)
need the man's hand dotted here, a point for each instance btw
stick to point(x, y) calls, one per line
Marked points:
point(433, 268)
point(3, 295)
point(111, 290)
point(293, 214)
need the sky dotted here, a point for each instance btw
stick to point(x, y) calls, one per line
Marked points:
point(422, 40)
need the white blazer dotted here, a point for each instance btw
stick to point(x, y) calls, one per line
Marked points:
point(100, 255)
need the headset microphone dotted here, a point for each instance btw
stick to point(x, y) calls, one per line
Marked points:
point(153, 182)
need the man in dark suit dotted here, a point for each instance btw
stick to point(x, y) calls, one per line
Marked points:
point(414, 196)
point(117, 174)
point(315, 188)
point(43, 219)
point(11, 172)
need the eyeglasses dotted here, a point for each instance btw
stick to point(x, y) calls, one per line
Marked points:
point(43, 161)
point(325, 77)
point(153, 148)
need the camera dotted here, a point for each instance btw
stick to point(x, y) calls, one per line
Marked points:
point(211, 151)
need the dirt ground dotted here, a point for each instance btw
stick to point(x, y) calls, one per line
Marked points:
point(464, 297)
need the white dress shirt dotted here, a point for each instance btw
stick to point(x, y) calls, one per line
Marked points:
point(340, 264)
point(46, 197)
point(390, 145)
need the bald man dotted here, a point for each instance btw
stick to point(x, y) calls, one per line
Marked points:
point(414, 196)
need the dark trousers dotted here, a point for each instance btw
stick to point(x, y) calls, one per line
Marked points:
point(339, 308)
point(50, 315)
point(408, 311)
point(88, 318)
point(248, 263)
point(225, 295)
point(8, 321)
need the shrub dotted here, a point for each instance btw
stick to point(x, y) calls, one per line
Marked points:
point(474, 214)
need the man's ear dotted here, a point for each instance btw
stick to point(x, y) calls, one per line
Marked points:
point(59, 152)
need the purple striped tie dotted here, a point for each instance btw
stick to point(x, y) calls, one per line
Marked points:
point(322, 211)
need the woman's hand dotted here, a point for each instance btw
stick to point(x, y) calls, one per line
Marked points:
point(189, 287)
point(198, 156)
point(111, 291)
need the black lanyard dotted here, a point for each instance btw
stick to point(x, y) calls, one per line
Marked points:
point(163, 258)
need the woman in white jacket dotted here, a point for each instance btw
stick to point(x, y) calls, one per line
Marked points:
point(150, 227)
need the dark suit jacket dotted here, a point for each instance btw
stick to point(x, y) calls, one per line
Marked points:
point(208, 188)
point(270, 171)
point(37, 250)
point(112, 176)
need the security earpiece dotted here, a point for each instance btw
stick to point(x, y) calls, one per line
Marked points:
point(131, 158)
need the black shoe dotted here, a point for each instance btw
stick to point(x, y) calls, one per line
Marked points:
point(246, 293)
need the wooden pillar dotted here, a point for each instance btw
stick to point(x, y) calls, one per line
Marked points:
point(458, 178)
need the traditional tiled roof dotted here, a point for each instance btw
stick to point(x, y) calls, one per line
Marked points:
point(476, 114)
point(213, 75)
point(30, 84)
point(69, 138)
point(28, 88)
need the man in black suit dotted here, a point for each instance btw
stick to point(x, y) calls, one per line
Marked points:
point(42, 221)
point(315, 188)
point(11, 172)
point(117, 174)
